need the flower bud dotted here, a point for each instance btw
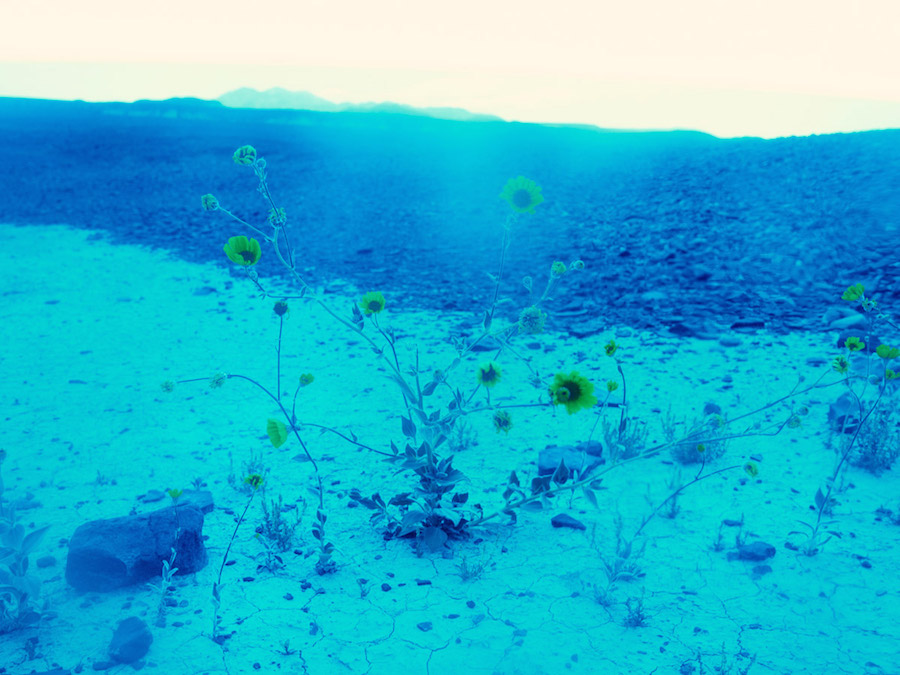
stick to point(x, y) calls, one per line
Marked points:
point(245, 155)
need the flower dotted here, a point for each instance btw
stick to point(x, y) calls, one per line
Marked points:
point(854, 292)
point(751, 469)
point(840, 364)
point(854, 344)
point(577, 265)
point(209, 203)
point(306, 379)
point(246, 155)
point(611, 386)
point(217, 380)
point(557, 269)
point(522, 194)
point(610, 347)
point(243, 251)
point(168, 386)
point(502, 421)
point(573, 391)
point(281, 308)
point(174, 493)
point(531, 320)
point(254, 480)
point(372, 303)
point(489, 374)
point(277, 217)
point(886, 352)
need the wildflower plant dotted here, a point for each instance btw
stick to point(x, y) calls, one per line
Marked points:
point(19, 588)
point(874, 395)
point(435, 511)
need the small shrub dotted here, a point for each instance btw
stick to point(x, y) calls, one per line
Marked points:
point(275, 528)
point(878, 443)
point(700, 443)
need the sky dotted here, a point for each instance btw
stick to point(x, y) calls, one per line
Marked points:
point(766, 68)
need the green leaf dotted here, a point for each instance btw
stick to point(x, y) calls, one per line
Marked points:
point(591, 497)
point(561, 474)
point(32, 539)
point(277, 432)
point(409, 428)
point(434, 538)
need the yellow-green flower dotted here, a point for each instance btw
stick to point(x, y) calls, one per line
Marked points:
point(246, 155)
point(557, 269)
point(887, 353)
point(854, 292)
point(531, 320)
point(890, 374)
point(168, 386)
point(254, 480)
point(502, 421)
point(611, 348)
point(522, 194)
point(306, 379)
point(174, 493)
point(854, 344)
point(489, 374)
point(751, 469)
point(372, 303)
point(611, 386)
point(840, 364)
point(573, 391)
point(243, 251)
point(209, 203)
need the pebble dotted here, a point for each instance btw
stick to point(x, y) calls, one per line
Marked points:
point(565, 520)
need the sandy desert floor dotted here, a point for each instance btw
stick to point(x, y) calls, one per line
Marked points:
point(90, 330)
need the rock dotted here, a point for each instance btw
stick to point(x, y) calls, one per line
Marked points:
point(712, 408)
point(582, 454)
point(757, 552)
point(729, 341)
point(131, 641)
point(565, 520)
point(46, 561)
point(202, 500)
point(748, 324)
point(855, 321)
point(843, 413)
point(115, 552)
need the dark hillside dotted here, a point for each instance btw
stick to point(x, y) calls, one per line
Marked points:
point(673, 226)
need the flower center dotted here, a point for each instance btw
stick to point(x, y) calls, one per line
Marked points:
point(246, 255)
point(522, 198)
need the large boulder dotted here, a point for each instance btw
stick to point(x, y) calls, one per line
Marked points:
point(115, 552)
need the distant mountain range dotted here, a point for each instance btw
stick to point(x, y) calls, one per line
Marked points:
point(279, 98)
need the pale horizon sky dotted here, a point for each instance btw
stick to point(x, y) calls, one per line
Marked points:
point(788, 67)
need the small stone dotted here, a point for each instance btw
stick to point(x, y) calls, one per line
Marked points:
point(385, 587)
point(565, 520)
point(131, 641)
point(425, 626)
point(757, 552)
point(46, 561)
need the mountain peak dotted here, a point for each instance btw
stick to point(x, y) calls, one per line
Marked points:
point(280, 98)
